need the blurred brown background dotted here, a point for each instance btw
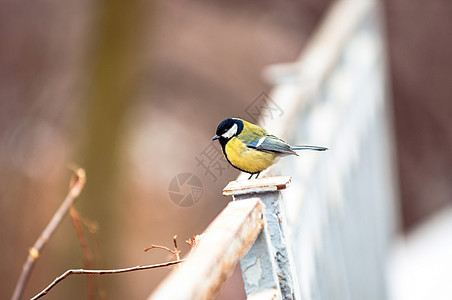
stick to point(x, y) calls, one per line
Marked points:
point(133, 92)
point(420, 46)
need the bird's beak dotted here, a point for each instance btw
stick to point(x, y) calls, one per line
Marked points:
point(216, 137)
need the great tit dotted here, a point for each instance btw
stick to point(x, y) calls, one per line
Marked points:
point(251, 149)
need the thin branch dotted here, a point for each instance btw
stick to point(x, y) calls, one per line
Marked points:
point(176, 250)
point(102, 272)
point(75, 187)
point(195, 241)
point(92, 230)
point(86, 252)
point(160, 247)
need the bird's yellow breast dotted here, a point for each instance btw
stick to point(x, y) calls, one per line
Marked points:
point(247, 159)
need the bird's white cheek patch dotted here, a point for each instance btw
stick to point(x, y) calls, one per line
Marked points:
point(231, 132)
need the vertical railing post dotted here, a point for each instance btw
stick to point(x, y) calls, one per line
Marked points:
point(267, 268)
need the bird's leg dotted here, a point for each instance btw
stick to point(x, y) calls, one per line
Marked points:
point(257, 175)
point(250, 176)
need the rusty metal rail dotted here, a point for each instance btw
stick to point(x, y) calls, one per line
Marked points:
point(250, 229)
point(267, 269)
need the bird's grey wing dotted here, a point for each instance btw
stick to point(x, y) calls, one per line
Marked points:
point(271, 143)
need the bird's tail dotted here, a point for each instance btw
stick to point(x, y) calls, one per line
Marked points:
point(316, 148)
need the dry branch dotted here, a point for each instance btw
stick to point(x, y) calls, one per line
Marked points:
point(86, 252)
point(101, 272)
point(176, 252)
point(75, 187)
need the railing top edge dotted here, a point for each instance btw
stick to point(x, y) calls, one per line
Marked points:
point(259, 185)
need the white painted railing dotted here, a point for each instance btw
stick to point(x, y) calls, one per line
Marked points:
point(341, 210)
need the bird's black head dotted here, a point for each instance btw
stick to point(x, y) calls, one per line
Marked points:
point(227, 129)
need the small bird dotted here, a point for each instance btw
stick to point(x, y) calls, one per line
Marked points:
point(251, 149)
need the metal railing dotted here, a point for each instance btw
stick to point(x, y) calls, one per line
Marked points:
point(249, 229)
point(327, 236)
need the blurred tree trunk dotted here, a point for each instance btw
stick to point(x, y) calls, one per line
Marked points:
point(112, 67)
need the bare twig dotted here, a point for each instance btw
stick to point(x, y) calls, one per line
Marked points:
point(86, 252)
point(87, 255)
point(160, 247)
point(176, 252)
point(195, 241)
point(93, 227)
point(75, 187)
point(102, 272)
